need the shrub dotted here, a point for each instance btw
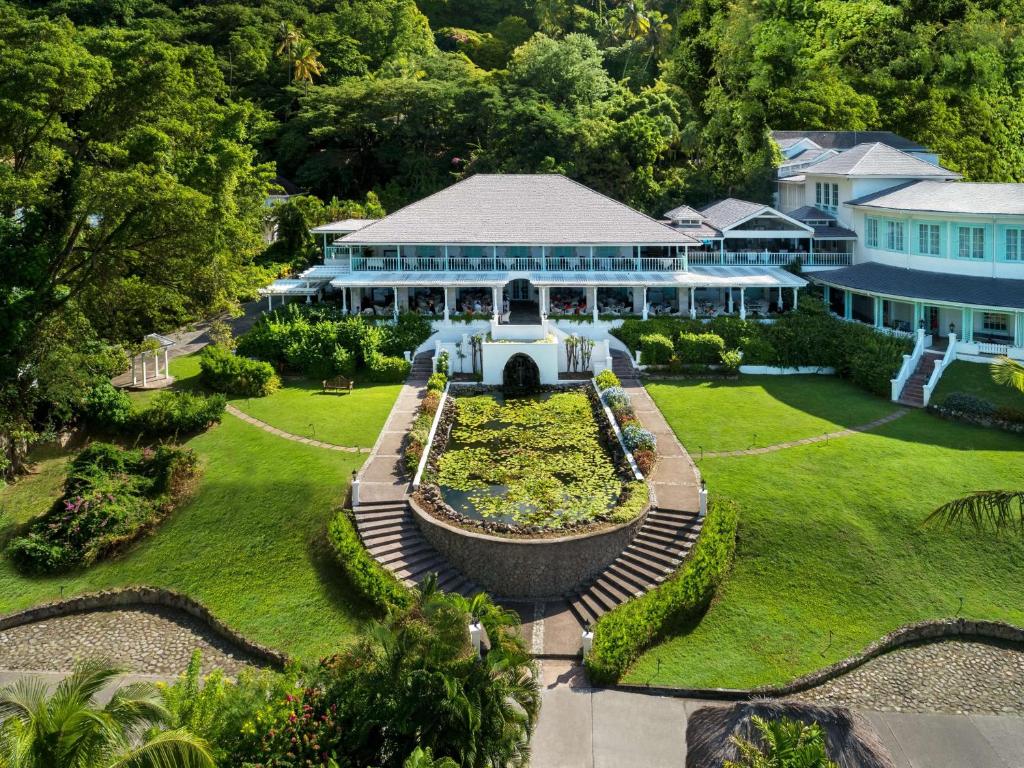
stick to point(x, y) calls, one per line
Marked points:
point(645, 460)
point(430, 403)
point(656, 349)
point(631, 503)
point(873, 360)
point(622, 634)
point(1011, 415)
point(437, 382)
point(180, 413)
point(416, 443)
point(758, 349)
point(637, 438)
point(404, 335)
point(633, 329)
point(732, 329)
point(699, 348)
point(317, 354)
point(374, 583)
point(443, 362)
point(108, 407)
point(223, 371)
point(111, 497)
point(615, 397)
point(387, 370)
point(731, 360)
point(970, 405)
point(606, 379)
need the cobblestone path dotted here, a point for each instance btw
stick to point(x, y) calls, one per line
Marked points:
point(289, 436)
point(145, 640)
point(950, 676)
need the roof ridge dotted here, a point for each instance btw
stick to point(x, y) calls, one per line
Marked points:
point(620, 204)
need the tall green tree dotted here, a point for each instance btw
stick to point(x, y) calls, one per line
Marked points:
point(69, 729)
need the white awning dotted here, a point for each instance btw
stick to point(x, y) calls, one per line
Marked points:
point(696, 277)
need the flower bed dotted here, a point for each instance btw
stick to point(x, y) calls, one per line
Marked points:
point(112, 496)
point(534, 467)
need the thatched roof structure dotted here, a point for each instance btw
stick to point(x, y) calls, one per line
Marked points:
point(850, 740)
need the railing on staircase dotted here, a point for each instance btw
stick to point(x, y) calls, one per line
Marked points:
point(909, 366)
point(940, 366)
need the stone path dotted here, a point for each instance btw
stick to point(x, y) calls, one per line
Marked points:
point(809, 440)
point(950, 676)
point(289, 436)
point(144, 640)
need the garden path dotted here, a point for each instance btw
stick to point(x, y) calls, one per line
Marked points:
point(897, 414)
point(289, 436)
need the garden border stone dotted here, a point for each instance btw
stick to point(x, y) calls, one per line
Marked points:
point(979, 421)
point(929, 631)
point(128, 597)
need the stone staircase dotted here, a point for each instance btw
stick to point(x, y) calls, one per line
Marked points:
point(622, 365)
point(913, 391)
point(657, 550)
point(384, 521)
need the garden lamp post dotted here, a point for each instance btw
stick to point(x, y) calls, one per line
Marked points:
point(703, 498)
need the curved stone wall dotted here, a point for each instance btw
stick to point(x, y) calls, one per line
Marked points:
point(136, 596)
point(526, 568)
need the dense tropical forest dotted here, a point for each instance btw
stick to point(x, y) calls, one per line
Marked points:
point(139, 138)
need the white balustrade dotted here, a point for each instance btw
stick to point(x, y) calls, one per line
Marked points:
point(940, 366)
point(909, 366)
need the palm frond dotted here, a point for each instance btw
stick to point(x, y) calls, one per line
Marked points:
point(1009, 373)
point(167, 749)
point(995, 511)
point(24, 699)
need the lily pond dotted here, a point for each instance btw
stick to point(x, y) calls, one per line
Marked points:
point(532, 461)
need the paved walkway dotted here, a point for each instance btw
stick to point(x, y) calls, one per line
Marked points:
point(144, 640)
point(809, 440)
point(289, 436)
point(582, 727)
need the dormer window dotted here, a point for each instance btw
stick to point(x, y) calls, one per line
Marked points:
point(686, 223)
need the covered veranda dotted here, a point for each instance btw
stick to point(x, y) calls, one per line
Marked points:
point(700, 292)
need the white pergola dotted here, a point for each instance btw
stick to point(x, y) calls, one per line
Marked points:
point(163, 344)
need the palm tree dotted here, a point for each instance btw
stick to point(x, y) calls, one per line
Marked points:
point(306, 63)
point(788, 743)
point(1000, 510)
point(68, 729)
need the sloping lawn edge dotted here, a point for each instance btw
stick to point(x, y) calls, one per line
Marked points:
point(624, 633)
point(378, 585)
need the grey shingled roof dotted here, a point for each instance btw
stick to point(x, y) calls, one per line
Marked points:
point(833, 233)
point(879, 160)
point(726, 213)
point(873, 277)
point(344, 225)
point(684, 212)
point(847, 139)
point(946, 197)
point(546, 209)
point(810, 213)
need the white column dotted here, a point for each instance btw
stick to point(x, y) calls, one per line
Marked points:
point(156, 366)
point(730, 299)
point(779, 303)
point(143, 369)
point(794, 297)
point(135, 372)
point(743, 304)
point(542, 295)
point(270, 302)
point(447, 311)
point(394, 304)
point(495, 302)
point(693, 305)
point(592, 298)
point(645, 303)
point(344, 301)
point(167, 369)
point(309, 298)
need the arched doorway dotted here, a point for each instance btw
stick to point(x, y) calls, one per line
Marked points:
point(521, 372)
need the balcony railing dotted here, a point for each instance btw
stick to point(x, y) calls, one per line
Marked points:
point(767, 259)
point(512, 264)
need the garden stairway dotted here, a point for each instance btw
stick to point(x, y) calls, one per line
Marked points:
point(913, 390)
point(382, 515)
point(622, 365)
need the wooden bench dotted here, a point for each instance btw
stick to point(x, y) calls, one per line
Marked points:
point(338, 384)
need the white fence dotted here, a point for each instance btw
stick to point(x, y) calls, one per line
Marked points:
point(940, 367)
point(909, 366)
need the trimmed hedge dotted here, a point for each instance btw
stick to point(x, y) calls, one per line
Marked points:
point(376, 584)
point(169, 413)
point(222, 370)
point(624, 633)
point(607, 379)
point(437, 382)
point(699, 348)
point(656, 349)
point(387, 370)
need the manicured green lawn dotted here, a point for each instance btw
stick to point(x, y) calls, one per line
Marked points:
point(755, 411)
point(831, 551)
point(250, 544)
point(351, 418)
point(976, 379)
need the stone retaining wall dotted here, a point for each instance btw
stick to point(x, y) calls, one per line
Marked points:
point(991, 422)
point(526, 568)
point(911, 634)
point(135, 596)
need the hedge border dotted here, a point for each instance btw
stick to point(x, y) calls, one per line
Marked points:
point(922, 632)
point(686, 595)
point(375, 583)
point(129, 597)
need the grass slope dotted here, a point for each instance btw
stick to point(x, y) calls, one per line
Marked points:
point(832, 553)
point(756, 411)
point(976, 379)
point(250, 544)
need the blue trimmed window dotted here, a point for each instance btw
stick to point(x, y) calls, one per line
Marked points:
point(871, 233)
point(894, 235)
point(929, 239)
point(1014, 245)
point(971, 242)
